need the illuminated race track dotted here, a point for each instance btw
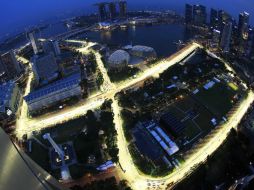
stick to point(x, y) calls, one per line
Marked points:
point(128, 170)
point(27, 125)
point(140, 181)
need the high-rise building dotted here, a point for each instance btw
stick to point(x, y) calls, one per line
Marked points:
point(199, 15)
point(112, 10)
point(51, 46)
point(188, 13)
point(102, 11)
point(122, 9)
point(243, 26)
point(251, 44)
point(45, 68)
point(34, 42)
point(226, 37)
point(18, 171)
point(224, 17)
point(216, 37)
point(214, 18)
point(10, 65)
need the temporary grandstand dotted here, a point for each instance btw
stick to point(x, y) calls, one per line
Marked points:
point(162, 138)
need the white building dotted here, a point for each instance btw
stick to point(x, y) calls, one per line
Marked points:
point(118, 60)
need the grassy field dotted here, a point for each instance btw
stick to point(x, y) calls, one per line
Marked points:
point(217, 99)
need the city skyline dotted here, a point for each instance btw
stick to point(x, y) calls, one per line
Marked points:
point(28, 16)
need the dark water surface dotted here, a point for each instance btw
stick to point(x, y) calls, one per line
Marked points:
point(161, 37)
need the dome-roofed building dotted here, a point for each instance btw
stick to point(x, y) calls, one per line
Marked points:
point(144, 52)
point(118, 60)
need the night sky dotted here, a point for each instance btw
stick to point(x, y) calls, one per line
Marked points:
point(15, 15)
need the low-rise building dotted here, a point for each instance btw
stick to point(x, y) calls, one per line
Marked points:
point(54, 93)
point(10, 95)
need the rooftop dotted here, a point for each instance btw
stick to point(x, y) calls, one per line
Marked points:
point(53, 87)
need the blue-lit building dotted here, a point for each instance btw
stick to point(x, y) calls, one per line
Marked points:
point(199, 15)
point(54, 93)
point(45, 68)
point(10, 96)
point(226, 37)
point(10, 68)
point(51, 46)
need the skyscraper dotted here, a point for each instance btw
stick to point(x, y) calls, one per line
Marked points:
point(223, 18)
point(102, 11)
point(112, 10)
point(226, 37)
point(188, 13)
point(216, 37)
point(199, 15)
point(34, 42)
point(51, 46)
point(243, 26)
point(10, 65)
point(44, 68)
point(214, 18)
point(122, 9)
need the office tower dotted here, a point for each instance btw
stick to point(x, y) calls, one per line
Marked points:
point(102, 11)
point(199, 15)
point(214, 18)
point(19, 172)
point(112, 10)
point(51, 46)
point(216, 36)
point(226, 37)
point(123, 9)
point(34, 42)
point(45, 68)
point(10, 65)
point(224, 17)
point(188, 13)
point(243, 26)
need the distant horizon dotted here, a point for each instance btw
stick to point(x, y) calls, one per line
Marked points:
point(14, 19)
